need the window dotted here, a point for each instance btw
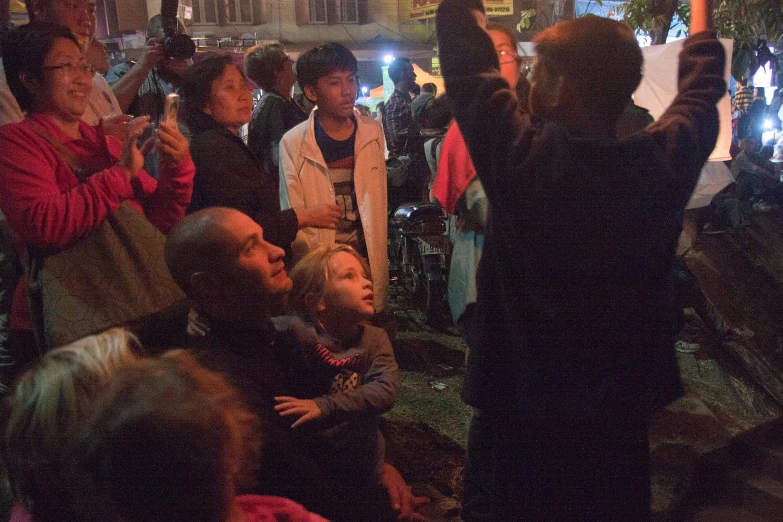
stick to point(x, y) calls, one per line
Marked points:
point(349, 11)
point(240, 12)
point(205, 12)
point(318, 12)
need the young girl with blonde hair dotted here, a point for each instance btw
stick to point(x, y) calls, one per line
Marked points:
point(346, 374)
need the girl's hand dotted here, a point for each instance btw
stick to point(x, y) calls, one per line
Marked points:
point(198, 326)
point(171, 144)
point(132, 158)
point(306, 409)
point(324, 215)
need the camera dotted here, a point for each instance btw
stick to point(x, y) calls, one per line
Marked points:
point(175, 44)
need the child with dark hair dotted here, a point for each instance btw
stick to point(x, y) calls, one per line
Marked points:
point(337, 156)
point(341, 372)
point(572, 337)
point(173, 442)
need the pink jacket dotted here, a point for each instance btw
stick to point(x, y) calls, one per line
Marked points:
point(46, 206)
point(275, 509)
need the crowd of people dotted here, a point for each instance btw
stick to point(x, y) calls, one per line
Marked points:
point(756, 157)
point(276, 249)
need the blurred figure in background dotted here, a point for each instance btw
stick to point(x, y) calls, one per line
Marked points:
point(42, 416)
point(276, 113)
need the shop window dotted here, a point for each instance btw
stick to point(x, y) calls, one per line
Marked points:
point(349, 11)
point(205, 12)
point(318, 12)
point(331, 11)
point(239, 12)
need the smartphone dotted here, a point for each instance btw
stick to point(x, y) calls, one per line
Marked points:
point(171, 108)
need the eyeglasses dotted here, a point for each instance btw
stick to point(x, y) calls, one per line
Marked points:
point(507, 56)
point(71, 69)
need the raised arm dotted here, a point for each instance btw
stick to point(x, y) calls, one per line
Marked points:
point(37, 208)
point(485, 107)
point(701, 16)
point(688, 130)
point(126, 86)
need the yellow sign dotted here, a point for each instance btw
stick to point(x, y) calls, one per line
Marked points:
point(499, 7)
point(420, 9)
point(436, 66)
point(417, 9)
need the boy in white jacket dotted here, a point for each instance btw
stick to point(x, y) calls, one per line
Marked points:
point(337, 156)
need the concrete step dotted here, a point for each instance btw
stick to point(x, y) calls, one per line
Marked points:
point(726, 514)
point(755, 491)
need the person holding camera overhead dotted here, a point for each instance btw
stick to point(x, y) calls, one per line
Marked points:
point(141, 87)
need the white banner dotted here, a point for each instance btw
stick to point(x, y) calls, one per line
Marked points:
point(659, 87)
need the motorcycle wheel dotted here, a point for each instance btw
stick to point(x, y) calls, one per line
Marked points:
point(433, 290)
point(435, 299)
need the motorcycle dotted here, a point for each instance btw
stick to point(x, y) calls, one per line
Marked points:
point(420, 253)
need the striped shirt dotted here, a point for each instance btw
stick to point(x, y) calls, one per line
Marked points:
point(742, 100)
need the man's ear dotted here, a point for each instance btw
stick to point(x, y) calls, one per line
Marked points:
point(310, 93)
point(558, 92)
point(314, 303)
point(202, 286)
point(30, 82)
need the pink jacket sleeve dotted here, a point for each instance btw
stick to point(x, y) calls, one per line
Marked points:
point(39, 194)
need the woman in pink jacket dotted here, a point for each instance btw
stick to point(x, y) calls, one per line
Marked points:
point(59, 177)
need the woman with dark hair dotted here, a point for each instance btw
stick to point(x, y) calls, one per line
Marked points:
point(61, 178)
point(217, 103)
point(276, 112)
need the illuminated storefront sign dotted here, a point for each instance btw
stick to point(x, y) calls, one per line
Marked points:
point(421, 9)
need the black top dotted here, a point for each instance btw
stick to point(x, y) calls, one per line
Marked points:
point(254, 362)
point(272, 117)
point(229, 175)
point(574, 313)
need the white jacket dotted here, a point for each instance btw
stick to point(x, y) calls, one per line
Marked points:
point(305, 182)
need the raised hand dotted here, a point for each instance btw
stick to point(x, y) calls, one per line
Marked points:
point(117, 126)
point(152, 55)
point(324, 215)
point(171, 144)
point(132, 158)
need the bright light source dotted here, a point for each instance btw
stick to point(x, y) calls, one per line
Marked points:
point(767, 124)
point(364, 90)
point(389, 58)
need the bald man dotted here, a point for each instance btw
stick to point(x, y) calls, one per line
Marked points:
point(235, 279)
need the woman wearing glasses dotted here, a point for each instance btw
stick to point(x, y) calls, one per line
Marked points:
point(59, 177)
point(217, 103)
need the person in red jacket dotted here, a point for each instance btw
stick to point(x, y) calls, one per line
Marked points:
point(59, 177)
